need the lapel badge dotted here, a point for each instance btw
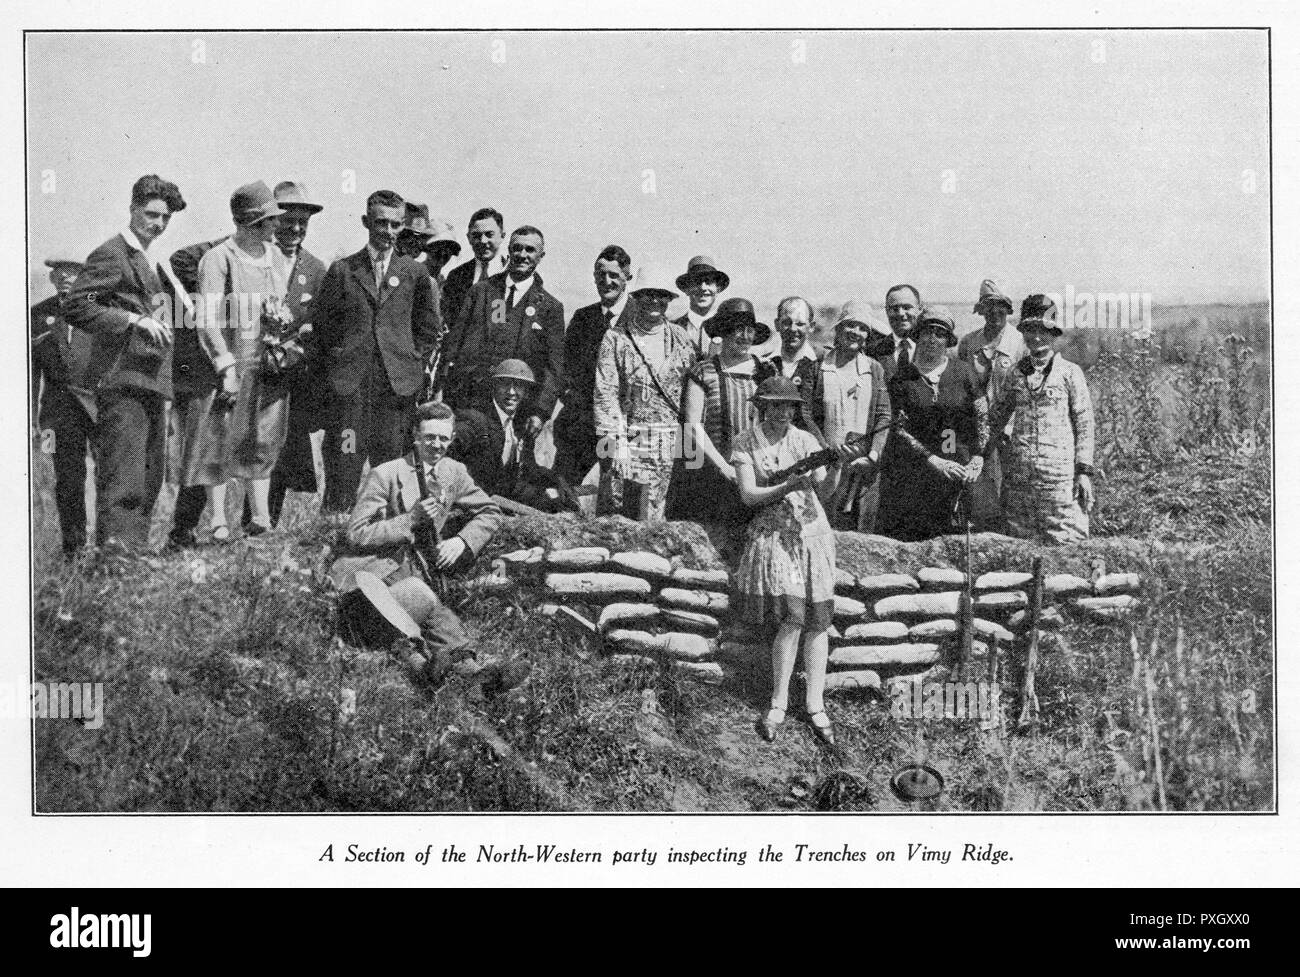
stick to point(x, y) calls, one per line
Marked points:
point(50, 320)
point(394, 281)
point(530, 312)
point(302, 279)
point(537, 326)
point(798, 381)
point(306, 297)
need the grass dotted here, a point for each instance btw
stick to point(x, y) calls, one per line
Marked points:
point(228, 689)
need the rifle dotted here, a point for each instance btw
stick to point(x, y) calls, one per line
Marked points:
point(427, 535)
point(861, 443)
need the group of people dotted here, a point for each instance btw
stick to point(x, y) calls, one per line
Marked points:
point(258, 345)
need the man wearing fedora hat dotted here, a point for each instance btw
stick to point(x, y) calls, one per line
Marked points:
point(377, 319)
point(494, 443)
point(66, 405)
point(116, 297)
point(702, 282)
point(508, 316)
point(303, 274)
point(575, 425)
point(992, 353)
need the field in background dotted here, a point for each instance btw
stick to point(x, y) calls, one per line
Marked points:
point(227, 689)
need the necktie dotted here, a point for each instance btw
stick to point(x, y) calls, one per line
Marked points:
point(903, 357)
point(508, 448)
point(379, 271)
point(510, 298)
point(609, 318)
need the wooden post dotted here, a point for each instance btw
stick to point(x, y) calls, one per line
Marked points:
point(1028, 697)
point(1154, 718)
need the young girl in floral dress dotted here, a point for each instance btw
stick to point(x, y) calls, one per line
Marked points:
point(786, 577)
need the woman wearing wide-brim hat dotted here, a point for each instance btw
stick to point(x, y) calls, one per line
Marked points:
point(237, 431)
point(718, 408)
point(938, 450)
point(1047, 460)
point(786, 577)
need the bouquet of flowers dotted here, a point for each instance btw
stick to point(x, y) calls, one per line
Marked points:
point(283, 355)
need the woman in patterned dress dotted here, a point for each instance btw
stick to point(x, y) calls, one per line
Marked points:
point(786, 577)
point(718, 409)
point(937, 450)
point(1047, 476)
point(640, 371)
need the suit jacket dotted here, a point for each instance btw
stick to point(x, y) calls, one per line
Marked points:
point(881, 349)
point(460, 280)
point(192, 372)
point(116, 282)
point(581, 346)
point(305, 281)
point(352, 317)
point(479, 444)
point(60, 357)
point(485, 334)
point(380, 528)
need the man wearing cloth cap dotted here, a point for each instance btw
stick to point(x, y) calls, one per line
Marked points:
point(493, 442)
point(992, 353)
point(303, 274)
point(575, 426)
point(116, 297)
point(378, 320)
point(508, 316)
point(60, 359)
point(702, 282)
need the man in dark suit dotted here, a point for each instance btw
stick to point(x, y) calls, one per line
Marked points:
point(377, 319)
point(903, 307)
point(575, 426)
point(60, 360)
point(118, 297)
point(492, 441)
point(508, 316)
point(305, 273)
point(486, 235)
point(192, 377)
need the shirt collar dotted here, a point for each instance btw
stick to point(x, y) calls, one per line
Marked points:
point(806, 352)
point(376, 257)
point(502, 418)
point(617, 308)
point(132, 241)
point(521, 288)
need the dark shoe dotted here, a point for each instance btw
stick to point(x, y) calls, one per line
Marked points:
point(255, 529)
point(770, 723)
point(824, 729)
point(183, 540)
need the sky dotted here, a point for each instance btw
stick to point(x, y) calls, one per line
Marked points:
point(828, 164)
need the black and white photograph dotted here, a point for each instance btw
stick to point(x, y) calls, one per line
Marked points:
point(815, 432)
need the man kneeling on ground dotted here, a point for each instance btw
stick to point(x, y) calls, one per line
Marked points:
point(399, 528)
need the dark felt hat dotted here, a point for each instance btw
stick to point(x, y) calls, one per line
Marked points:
point(1039, 310)
point(733, 314)
point(701, 267)
point(253, 203)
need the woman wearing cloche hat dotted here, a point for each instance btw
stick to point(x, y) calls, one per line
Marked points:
point(237, 430)
point(786, 577)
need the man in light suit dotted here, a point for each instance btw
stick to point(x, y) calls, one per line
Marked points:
point(486, 235)
point(118, 296)
point(376, 319)
point(575, 426)
point(508, 316)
